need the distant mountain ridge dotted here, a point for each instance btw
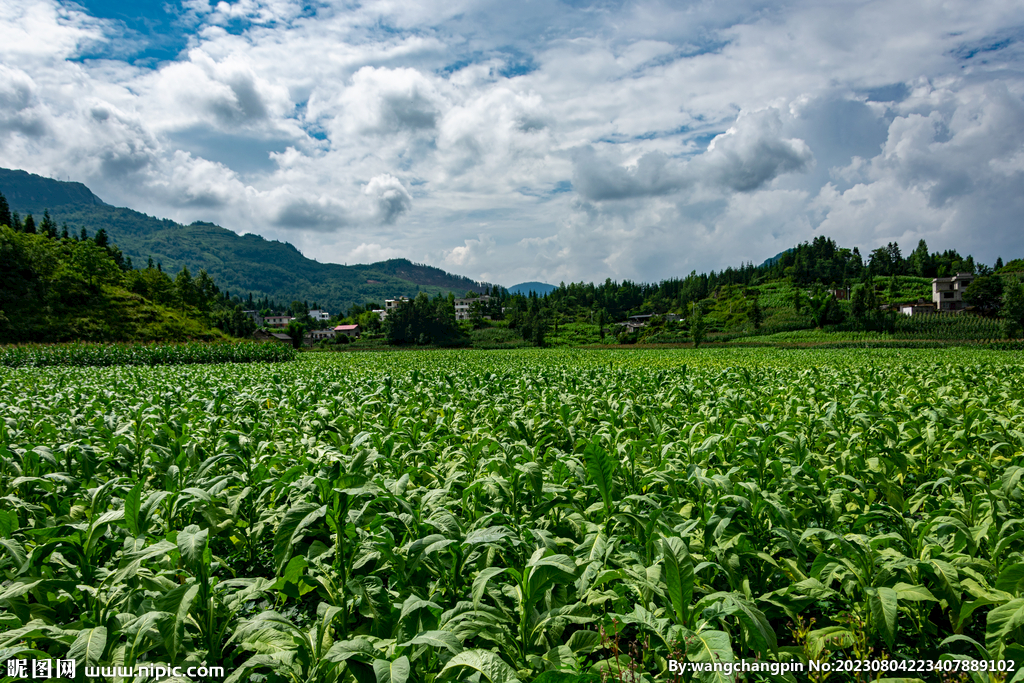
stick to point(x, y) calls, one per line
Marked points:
point(241, 264)
point(525, 288)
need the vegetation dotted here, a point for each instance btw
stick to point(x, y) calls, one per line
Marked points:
point(195, 353)
point(435, 516)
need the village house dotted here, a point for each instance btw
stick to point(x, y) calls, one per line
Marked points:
point(256, 317)
point(463, 307)
point(319, 315)
point(348, 330)
point(392, 304)
point(277, 320)
point(317, 335)
point(919, 307)
point(948, 292)
point(260, 335)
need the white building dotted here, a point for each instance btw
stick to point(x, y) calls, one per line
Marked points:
point(463, 307)
point(319, 315)
point(392, 304)
point(948, 292)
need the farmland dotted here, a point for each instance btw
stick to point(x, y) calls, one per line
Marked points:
point(425, 516)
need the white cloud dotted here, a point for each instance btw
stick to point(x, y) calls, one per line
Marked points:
point(516, 142)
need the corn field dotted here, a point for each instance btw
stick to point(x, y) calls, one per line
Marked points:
point(438, 516)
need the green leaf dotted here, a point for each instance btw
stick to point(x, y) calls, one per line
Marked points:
point(1002, 621)
point(481, 581)
point(678, 576)
point(830, 637)
point(601, 470)
point(391, 672)
point(708, 647)
point(132, 503)
point(192, 543)
point(490, 666)
point(292, 528)
point(177, 602)
point(906, 591)
point(439, 639)
point(584, 642)
point(884, 607)
point(88, 646)
point(1011, 579)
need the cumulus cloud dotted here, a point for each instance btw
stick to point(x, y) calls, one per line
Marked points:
point(743, 159)
point(752, 153)
point(19, 108)
point(390, 198)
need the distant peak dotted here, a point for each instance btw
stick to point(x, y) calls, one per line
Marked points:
point(36, 192)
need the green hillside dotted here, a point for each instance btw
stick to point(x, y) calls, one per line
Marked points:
point(240, 264)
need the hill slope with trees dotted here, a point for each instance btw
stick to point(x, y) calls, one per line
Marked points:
point(241, 264)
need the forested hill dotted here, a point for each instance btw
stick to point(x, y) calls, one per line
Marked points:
point(240, 264)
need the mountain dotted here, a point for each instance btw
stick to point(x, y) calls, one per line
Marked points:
point(240, 264)
point(526, 287)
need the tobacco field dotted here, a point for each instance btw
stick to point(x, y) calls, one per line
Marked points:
point(429, 516)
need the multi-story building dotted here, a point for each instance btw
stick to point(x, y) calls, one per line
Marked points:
point(319, 315)
point(948, 292)
point(462, 306)
point(392, 304)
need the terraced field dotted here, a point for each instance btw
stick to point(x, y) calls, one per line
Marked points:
point(415, 517)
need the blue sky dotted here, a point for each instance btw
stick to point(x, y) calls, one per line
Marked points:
point(552, 141)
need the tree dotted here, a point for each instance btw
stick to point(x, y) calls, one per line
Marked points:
point(48, 227)
point(698, 327)
point(1013, 309)
point(296, 331)
point(184, 288)
point(5, 212)
point(985, 294)
point(755, 315)
point(601, 322)
point(101, 238)
point(30, 225)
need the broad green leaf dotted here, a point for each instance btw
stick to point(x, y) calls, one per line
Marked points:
point(192, 544)
point(132, 503)
point(1002, 621)
point(905, 591)
point(678, 576)
point(709, 647)
point(481, 581)
point(391, 672)
point(88, 646)
point(177, 602)
point(490, 666)
point(884, 608)
point(438, 639)
point(291, 529)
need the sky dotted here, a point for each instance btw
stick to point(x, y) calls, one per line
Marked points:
point(554, 140)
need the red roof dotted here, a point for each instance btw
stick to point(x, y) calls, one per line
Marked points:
point(346, 328)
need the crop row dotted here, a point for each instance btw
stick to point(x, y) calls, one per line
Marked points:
point(96, 355)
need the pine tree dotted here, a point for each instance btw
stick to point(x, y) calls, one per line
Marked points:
point(16, 221)
point(84, 236)
point(5, 212)
point(48, 226)
point(64, 232)
point(30, 225)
